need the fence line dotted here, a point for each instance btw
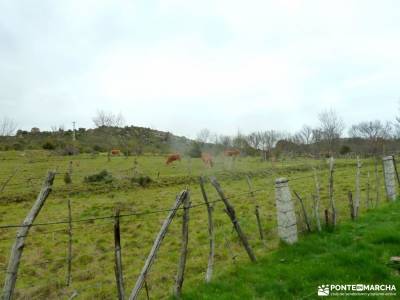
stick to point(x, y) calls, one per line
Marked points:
point(142, 280)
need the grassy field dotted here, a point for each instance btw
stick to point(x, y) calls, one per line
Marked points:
point(356, 253)
point(43, 268)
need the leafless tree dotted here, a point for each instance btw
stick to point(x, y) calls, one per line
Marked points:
point(204, 136)
point(54, 128)
point(108, 119)
point(254, 140)
point(268, 141)
point(375, 132)
point(7, 127)
point(225, 141)
point(331, 126)
point(304, 135)
point(240, 141)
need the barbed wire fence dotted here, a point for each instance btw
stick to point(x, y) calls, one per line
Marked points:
point(303, 220)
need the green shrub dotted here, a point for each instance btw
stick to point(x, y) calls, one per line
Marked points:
point(143, 181)
point(18, 146)
point(195, 150)
point(98, 148)
point(344, 150)
point(67, 178)
point(48, 146)
point(103, 176)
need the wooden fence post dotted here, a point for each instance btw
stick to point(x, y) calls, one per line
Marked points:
point(18, 247)
point(210, 264)
point(119, 278)
point(317, 200)
point(306, 219)
point(150, 259)
point(331, 199)
point(232, 215)
point(185, 239)
point(395, 170)
point(69, 261)
point(351, 205)
point(326, 211)
point(287, 224)
point(389, 176)
point(377, 182)
point(368, 188)
point(257, 209)
point(356, 202)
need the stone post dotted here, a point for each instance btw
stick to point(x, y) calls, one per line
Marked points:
point(287, 225)
point(390, 179)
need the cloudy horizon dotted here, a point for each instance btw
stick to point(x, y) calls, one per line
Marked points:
point(181, 66)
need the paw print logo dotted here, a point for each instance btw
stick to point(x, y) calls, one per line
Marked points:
point(323, 290)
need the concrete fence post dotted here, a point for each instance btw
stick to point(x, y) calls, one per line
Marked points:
point(287, 225)
point(390, 177)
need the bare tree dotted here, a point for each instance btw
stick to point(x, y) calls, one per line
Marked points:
point(254, 140)
point(375, 132)
point(268, 141)
point(240, 141)
point(204, 136)
point(225, 141)
point(305, 135)
point(108, 119)
point(331, 126)
point(7, 127)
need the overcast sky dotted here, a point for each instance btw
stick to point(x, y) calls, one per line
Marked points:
point(183, 65)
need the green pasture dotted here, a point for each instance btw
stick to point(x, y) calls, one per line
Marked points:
point(42, 272)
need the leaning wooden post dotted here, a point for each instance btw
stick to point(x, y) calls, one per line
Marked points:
point(257, 209)
point(305, 215)
point(69, 261)
point(210, 265)
point(232, 215)
point(150, 259)
point(331, 199)
point(389, 176)
point(18, 247)
point(356, 202)
point(317, 200)
point(287, 224)
point(118, 258)
point(185, 239)
point(395, 170)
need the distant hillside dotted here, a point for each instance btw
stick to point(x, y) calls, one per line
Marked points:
point(130, 140)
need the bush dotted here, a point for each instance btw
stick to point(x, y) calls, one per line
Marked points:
point(143, 181)
point(103, 176)
point(69, 150)
point(48, 146)
point(195, 150)
point(344, 150)
point(67, 178)
point(18, 146)
point(97, 148)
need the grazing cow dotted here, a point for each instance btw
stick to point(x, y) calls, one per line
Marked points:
point(207, 159)
point(173, 157)
point(115, 152)
point(232, 152)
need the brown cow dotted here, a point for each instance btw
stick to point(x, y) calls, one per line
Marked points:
point(173, 157)
point(232, 152)
point(115, 152)
point(207, 159)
